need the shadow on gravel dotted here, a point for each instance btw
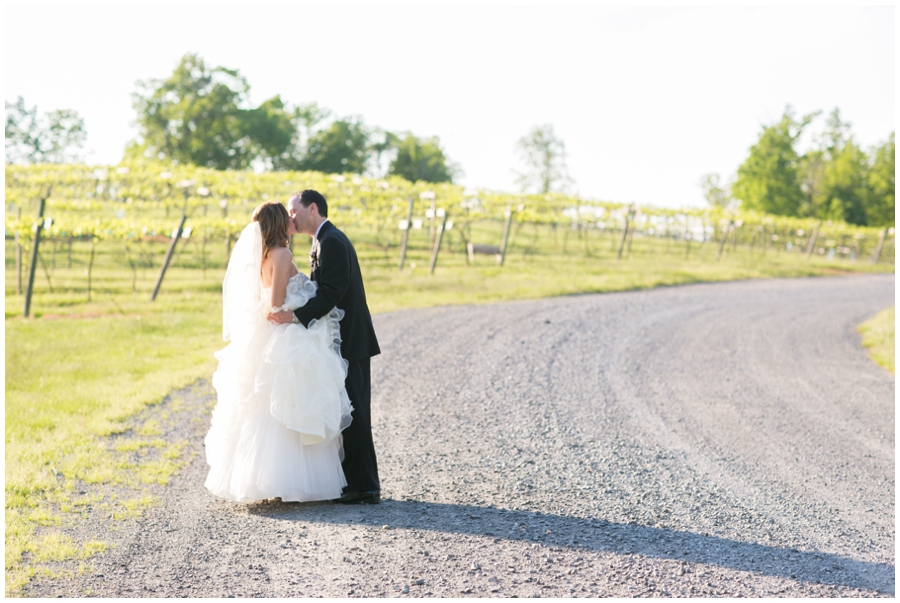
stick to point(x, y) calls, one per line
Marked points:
point(595, 535)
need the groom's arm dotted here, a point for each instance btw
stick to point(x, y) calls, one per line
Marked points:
point(332, 277)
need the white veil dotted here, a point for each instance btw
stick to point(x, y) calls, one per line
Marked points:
point(241, 299)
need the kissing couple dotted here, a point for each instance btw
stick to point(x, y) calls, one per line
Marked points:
point(293, 417)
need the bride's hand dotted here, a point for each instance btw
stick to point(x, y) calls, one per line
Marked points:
point(285, 317)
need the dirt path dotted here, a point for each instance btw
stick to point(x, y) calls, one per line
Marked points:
point(728, 439)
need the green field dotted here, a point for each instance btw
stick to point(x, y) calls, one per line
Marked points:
point(79, 368)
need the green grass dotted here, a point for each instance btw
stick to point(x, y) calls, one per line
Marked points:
point(878, 338)
point(78, 371)
point(71, 382)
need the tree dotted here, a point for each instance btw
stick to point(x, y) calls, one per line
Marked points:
point(342, 147)
point(382, 148)
point(272, 134)
point(56, 137)
point(812, 181)
point(544, 156)
point(422, 159)
point(881, 185)
point(845, 194)
point(199, 116)
point(834, 175)
point(309, 116)
point(715, 195)
point(769, 179)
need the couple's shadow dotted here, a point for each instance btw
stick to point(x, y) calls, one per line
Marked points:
point(595, 535)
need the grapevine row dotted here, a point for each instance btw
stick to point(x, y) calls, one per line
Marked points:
point(127, 202)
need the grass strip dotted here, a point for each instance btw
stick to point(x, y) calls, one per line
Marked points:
point(878, 338)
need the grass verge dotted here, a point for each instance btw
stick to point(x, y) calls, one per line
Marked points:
point(71, 382)
point(878, 338)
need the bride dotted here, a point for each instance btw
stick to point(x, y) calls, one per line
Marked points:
point(276, 429)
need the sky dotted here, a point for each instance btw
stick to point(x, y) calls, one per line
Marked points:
point(646, 99)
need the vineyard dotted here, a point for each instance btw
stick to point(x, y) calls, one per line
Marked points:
point(106, 234)
point(101, 223)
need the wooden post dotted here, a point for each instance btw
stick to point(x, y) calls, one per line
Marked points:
point(812, 240)
point(624, 234)
point(405, 241)
point(437, 244)
point(18, 266)
point(509, 215)
point(724, 239)
point(431, 231)
point(34, 253)
point(880, 246)
point(169, 253)
point(46, 273)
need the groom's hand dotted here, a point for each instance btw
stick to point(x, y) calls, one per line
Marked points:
point(285, 317)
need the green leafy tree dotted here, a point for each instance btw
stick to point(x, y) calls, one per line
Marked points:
point(272, 134)
point(342, 147)
point(382, 148)
point(834, 175)
point(54, 137)
point(199, 116)
point(544, 156)
point(714, 192)
point(195, 116)
point(422, 159)
point(769, 179)
point(845, 185)
point(812, 181)
point(881, 185)
point(306, 119)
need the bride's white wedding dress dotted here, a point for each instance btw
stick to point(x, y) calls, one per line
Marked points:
point(281, 398)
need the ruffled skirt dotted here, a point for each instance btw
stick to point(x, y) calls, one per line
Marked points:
point(281, 408)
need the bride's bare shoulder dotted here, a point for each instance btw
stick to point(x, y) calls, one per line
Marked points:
point(282, 258)
point(281, 255)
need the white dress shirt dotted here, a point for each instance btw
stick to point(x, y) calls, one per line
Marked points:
point(315, 239)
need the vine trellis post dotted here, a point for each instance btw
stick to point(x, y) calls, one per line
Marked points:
point(406, 225)
point(439, 236)
point(172, 244)
point(34, 252)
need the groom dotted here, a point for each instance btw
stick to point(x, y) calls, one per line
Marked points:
point(335, 268)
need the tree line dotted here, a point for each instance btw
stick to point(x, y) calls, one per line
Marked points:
point(835, 179)
point(201, 115)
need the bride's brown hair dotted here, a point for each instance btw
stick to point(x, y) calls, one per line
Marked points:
point(273, 224)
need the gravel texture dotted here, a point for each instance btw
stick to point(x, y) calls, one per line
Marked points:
point(704, 440)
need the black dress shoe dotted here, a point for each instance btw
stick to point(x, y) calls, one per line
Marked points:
point(372, 497)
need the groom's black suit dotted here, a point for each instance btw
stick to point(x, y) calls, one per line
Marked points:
point(335, 267)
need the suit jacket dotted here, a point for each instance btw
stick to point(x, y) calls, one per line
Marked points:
point(335, 268)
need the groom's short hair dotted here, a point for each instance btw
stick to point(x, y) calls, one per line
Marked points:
point(309, 196)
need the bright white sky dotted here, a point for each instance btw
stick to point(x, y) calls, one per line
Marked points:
point(645, 99)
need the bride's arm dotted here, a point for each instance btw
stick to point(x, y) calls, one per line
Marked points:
point(282, 270)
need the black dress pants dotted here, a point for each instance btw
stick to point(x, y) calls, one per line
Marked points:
point(359, 464)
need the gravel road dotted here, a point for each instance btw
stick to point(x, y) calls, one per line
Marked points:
point(706, 440)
